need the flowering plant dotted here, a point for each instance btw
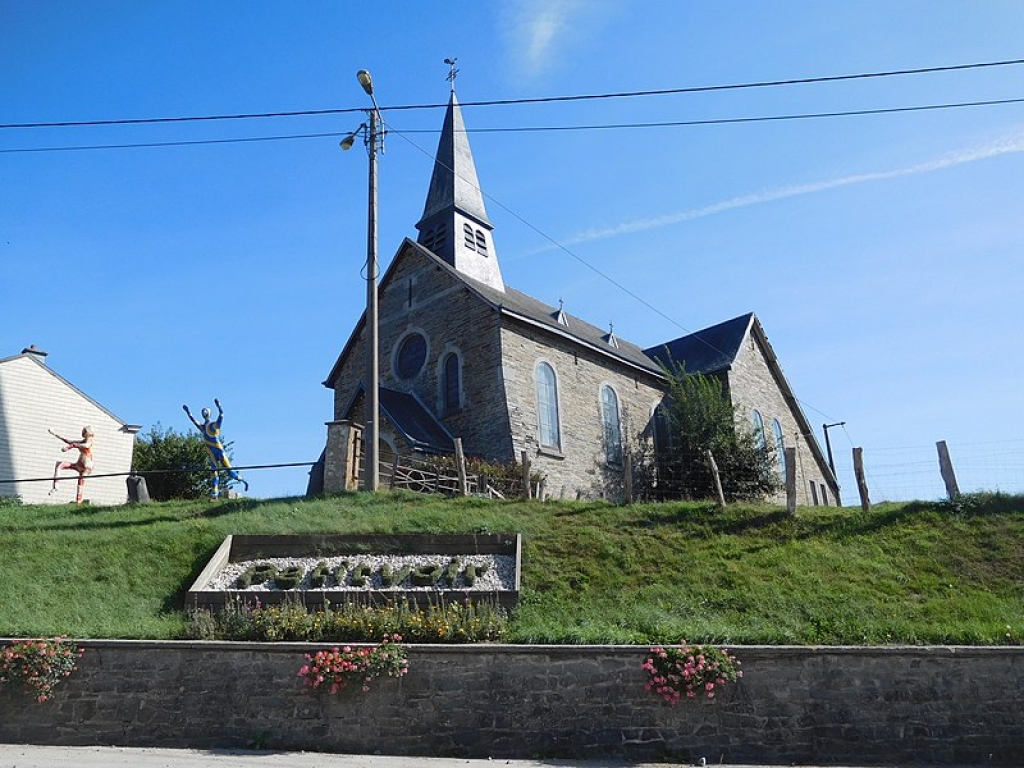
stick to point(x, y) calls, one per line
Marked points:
point(689, 670)
point(336, 668)
point(39, 664)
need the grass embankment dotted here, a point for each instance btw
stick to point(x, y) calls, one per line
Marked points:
point(592, 572)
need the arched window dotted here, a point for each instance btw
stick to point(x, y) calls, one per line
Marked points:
point(612, 427)
point(780, 446)
point(451, 383)
point(758, 429)
point(467, 230)
point(547, 407)
point(481, 243)
point(664, 439)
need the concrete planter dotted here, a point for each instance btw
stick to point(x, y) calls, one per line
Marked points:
point(238, 548)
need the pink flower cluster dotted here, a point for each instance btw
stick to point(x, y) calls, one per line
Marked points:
point(685, 670)
point(39, 664)
point(335, 669)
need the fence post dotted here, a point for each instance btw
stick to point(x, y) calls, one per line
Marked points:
point(862, 483)
point(627, 475)
point(946, 469)
point(526, 475)
point(790, 454)
point(460, 463)
point(394, 471)
point(719, 493)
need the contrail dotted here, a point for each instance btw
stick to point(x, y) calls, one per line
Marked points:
point(1004, 146)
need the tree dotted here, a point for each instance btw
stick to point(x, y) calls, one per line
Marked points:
point(697, 416)
point(175, 465)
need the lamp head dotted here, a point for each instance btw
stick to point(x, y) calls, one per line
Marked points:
point(347, 142)
point(366, 81)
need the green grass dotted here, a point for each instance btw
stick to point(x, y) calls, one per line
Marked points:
point(592, 572)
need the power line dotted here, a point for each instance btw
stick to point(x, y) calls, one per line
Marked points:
point(145, 472)
point(540, 129)
point(510, 102)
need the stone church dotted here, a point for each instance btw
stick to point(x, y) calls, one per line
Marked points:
point(464, 355)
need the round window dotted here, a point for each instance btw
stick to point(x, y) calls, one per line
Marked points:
point(411, 355)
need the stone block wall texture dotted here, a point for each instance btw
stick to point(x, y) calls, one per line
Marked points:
point(856, 706)
point(752, 385)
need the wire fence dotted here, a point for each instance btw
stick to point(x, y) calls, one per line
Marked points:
point(911, 473)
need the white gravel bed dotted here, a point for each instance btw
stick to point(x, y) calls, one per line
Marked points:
point(499, 576)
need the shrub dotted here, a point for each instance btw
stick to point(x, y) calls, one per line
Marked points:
point(689, 670)
point(318, 576)
point(39, 665)
point(351, 621)
point(289, 578)
point(175, 465)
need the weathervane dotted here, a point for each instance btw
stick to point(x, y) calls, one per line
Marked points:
point(452, 72)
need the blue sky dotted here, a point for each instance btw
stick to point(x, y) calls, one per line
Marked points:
point(881, 252)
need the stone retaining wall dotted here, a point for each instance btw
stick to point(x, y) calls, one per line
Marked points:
point(864, 706)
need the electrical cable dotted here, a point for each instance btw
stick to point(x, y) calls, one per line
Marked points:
point(543, 129)
point(536, 100)
point(144, 472)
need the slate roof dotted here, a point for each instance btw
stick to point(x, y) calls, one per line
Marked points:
point(454, 181)
point(707, 351)
point(411, 418)
point(537, 313)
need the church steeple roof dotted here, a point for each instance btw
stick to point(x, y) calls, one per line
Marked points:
point(454, 225)
point(454, 183)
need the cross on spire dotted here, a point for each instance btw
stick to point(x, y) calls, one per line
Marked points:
point(452, 71)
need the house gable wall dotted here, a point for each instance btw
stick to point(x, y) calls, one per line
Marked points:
point(33, 400)
point(752, 384)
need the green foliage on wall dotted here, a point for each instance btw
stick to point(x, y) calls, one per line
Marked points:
point(700, 418)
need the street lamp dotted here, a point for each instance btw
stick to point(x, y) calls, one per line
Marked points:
point(373, 137)
point(828, 445)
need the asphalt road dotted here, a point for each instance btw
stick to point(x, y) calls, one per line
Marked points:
point(24, 756)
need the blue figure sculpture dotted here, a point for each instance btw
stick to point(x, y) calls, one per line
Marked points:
point(215, 448)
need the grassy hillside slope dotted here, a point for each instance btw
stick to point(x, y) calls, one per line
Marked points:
point(592, 572)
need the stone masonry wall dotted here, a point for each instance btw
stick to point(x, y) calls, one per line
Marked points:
point(580, 466)
point(855, 706)
point(751, 386)
point(422, 297)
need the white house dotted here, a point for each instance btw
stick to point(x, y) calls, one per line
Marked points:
point(34, 400)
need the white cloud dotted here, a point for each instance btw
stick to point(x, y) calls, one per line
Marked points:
point(538, 28)
point(1010, 144)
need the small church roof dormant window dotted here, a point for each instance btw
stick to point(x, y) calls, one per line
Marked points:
point(411, 355)
point(481, 243)
point(467, 230)
point(610, 337)
point(560, 317)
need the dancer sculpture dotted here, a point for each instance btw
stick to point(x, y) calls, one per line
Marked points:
point(215, 448)
point(83, 466)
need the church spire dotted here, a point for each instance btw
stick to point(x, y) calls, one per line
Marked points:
point(454, 224)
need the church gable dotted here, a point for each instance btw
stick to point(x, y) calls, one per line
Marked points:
point(439, 342)
point(763, 400)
